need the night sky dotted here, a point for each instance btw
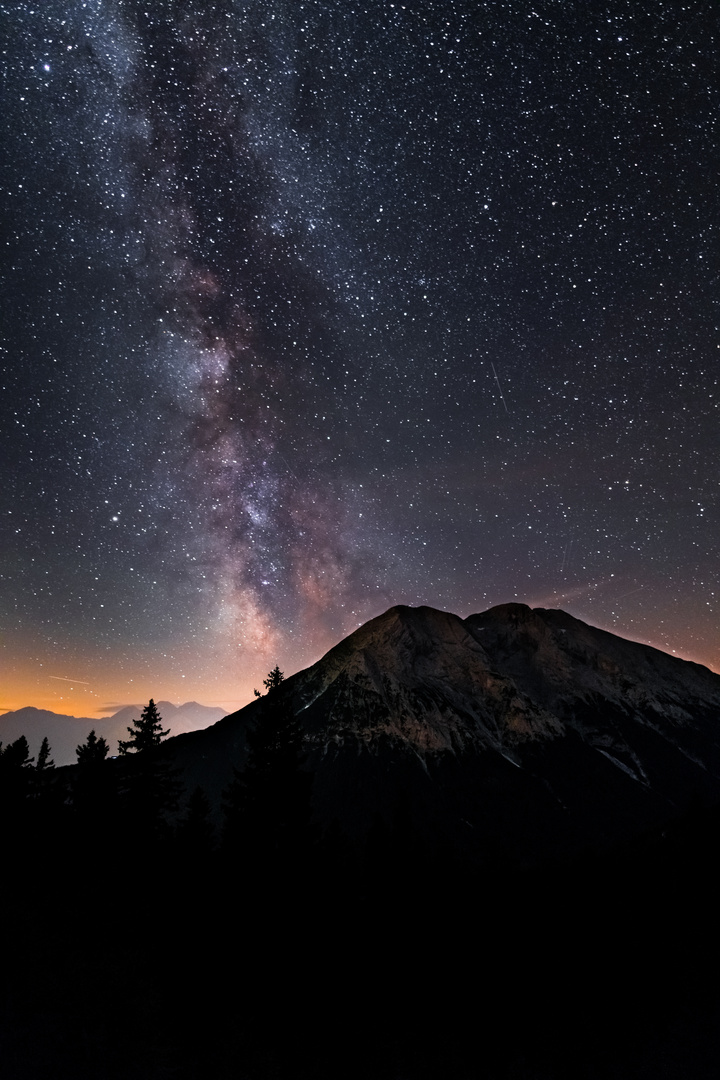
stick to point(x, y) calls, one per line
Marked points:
point(312, 308)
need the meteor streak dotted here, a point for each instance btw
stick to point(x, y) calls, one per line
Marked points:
point(502, 396)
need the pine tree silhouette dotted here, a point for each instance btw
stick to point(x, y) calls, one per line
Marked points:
point(16, 755)
point(148, 732)
point(16, 785)
point(275, 677)
point(94, 794)
point(44, 760)
point(268, 805)
point(149, 785)
point(93, 751)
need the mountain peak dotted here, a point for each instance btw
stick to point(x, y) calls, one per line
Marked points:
point(519, 727)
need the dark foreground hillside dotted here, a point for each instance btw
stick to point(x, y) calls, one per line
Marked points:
point(135, 961)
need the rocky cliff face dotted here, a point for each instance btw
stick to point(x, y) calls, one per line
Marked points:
point(519, 731)
point(422, 679)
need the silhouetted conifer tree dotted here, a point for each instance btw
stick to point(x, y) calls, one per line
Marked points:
point(44, 760)
point(93, 751)
point(16, 755)
point(16, 775)
point(267, 805)
point(46, 811)
point(15, 770)
point(275, 677)
point(94, 788)
point(149, 785)
point(148, 732)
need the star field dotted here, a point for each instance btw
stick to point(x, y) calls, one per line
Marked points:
point(314, 308)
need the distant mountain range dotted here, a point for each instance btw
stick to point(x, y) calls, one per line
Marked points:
point(514, 734)
point(65, 733)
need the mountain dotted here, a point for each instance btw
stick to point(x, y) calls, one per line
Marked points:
point(513, 734)
point(517, 879)
point(65, 733)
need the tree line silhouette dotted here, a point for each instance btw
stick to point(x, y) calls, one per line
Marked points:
point(173, 884)
point(136, 800)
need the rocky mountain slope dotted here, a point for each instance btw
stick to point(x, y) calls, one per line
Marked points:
point(514, 733)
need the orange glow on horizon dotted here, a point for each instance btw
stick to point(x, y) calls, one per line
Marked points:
point(220, 671)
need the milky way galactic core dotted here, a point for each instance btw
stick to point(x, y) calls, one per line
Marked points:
point(314, 308)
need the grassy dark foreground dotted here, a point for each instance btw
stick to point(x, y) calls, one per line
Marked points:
point(169, 962)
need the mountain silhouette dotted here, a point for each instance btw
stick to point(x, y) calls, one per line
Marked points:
point(516, 733)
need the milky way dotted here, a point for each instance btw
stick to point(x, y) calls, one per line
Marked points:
point(312, 309)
